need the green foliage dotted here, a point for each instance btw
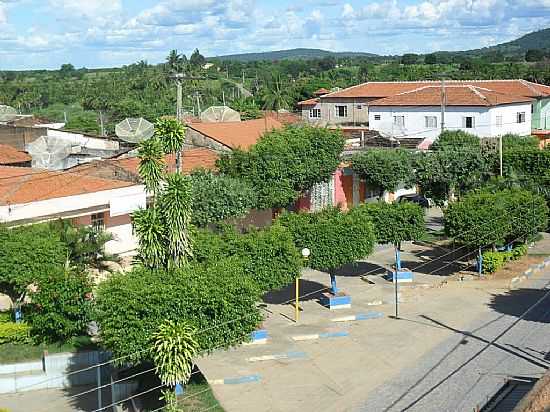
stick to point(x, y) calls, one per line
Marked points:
point(534, 55)
point(86, 244)
point(28, 253)
point(171, 133)
point(219, 197)
point(85, 121)
point(60, 307)
point(267, 256)
point(11, 332)
point(515, 142)
point(335, 238)
point(458, 140)
point(496, 218)
point(247, 108)
point(286, 162)
point(385, 169)
point(528, 161)
point(174, 347)
point(494, 260)
point(149, 227)
point(151, 163)
point(394, 222)
point(218, 300)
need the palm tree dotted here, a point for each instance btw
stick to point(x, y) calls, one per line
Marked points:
point(151, 166)
point(275, 98)
point(173, 60)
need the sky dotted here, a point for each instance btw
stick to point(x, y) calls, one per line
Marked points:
point(43, 34)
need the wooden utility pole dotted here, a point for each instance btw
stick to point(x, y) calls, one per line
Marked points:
point(443, 103)
point(500, 153)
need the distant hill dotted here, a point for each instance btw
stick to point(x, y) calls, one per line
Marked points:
point(535, 40)
point(292, 54)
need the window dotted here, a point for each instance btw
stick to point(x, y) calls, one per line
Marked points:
point(341, 111)
point(521, 117)
point(359, 106)
point(468, 122)
point(430, 122)
point(499, 121)
point(399, 121)
point(314, 113)
point(377, 117)
point(98, 221)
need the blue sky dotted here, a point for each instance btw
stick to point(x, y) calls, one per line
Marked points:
point(103, 33)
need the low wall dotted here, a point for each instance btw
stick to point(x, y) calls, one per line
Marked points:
point(54, 371)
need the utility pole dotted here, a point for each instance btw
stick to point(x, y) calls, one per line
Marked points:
point(102, 127)
point(223, 97)
point(443, 102)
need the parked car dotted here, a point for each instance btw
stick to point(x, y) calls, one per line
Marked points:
point(418, 199)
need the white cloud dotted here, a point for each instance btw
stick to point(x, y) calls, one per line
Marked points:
point(3, 15)
point(90, 9)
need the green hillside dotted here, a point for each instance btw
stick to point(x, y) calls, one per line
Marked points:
point(292, 54)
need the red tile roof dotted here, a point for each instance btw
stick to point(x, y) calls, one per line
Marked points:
point(455, 95)
point(321, 92)
point(385, 89)
point(309, 102)
point(192, 159)
point(24, 185)
point(283, 117)
point(10, 155)
point(237, 134)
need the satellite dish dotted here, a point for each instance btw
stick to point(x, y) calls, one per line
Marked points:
point(216, 114)
point(134, 130)
point(7, 113)
point(48, 152)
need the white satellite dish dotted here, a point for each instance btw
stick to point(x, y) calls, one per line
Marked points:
point(7, 113)
point(48, 152)
point(134, 130)
point(216, 114)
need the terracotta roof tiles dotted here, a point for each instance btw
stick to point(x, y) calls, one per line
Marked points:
point(10, 155)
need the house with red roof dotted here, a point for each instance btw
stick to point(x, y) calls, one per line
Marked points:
point(33, 196)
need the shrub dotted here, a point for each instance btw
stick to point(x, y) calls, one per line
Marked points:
point(218, 197)
point(218, 299)
point(286, 162)
point(28, 253)
point(267, 256)
point(11, 332)
point(60, 307)
point(513, 141)
point(335, 238)
point(394, 222)
point(519, 251)
point(496, 218)
point(493, 261)
point(456, 139)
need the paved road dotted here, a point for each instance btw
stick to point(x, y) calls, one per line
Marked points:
point(469, 367)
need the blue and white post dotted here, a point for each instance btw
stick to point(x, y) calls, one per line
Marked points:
point(333, 286)
point(480, 263)
point(397, 270)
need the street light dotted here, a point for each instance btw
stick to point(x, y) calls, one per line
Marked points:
point(305, 254)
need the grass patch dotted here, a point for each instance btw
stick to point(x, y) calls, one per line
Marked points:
point(12, 353)
point(198, 396)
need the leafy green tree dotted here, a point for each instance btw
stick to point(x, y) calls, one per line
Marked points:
point(267, 256)
point(385, 169)
point(197, 60)
point(174, 347)
point(286, 162)
point(430, 58)
point(496, 217)
point(335, 238)
point(512, 141)
point(456, 140)
point(150, 230)
point(534, 55)
point(275, 96)
point(394, 222)
point(247, 108)
point(409, 58)
point(218, 300)
point(60, 307)
point(27, 254)
point(218, 197)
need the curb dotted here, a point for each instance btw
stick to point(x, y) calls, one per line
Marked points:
point(288, 355)
point(316, 336)
point(529, 272)
point(236, 381)
point(359, 316)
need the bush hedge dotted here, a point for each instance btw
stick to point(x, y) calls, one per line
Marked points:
point(494, 260)
point(335, 238)
point(217, 299)
point(11, 332)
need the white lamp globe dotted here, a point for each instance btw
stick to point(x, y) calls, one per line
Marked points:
point(306, 252)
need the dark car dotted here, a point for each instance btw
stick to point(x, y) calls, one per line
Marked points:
point(418, 199)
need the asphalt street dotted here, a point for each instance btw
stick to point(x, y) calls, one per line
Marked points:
point(464, 371)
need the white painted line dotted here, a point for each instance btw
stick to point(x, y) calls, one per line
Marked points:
point(344, 319)
point(306, 337)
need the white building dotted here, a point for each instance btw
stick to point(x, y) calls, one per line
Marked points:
point(32, 196)
point(473, 109)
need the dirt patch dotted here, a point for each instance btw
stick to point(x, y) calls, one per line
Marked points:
point(517, 267)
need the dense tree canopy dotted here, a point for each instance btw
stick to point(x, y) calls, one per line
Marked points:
point(286, 162)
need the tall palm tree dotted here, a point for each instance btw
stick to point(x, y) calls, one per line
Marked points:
point(151, 166)
point(275, 97)
point(173, 60)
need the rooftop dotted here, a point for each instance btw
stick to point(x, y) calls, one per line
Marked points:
point(237, 134)
point(25, 185)
point(517, 87)
point(10, 155)
point(455, 95)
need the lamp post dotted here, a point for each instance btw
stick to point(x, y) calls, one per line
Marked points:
point(305, 254)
